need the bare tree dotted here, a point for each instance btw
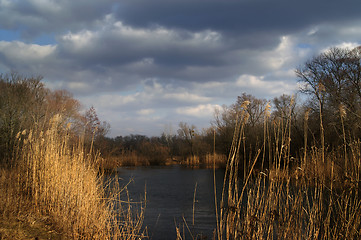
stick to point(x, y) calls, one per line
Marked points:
point(22, 104)
point(255, 109)
point(187, 133)
point(333, 79)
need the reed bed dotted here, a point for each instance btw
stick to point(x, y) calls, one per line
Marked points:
point(61, 183)
point(127, 159)
point(133, 159)
point(192, 161)
point(215, 160)
point(316, 196)
point(207, 161)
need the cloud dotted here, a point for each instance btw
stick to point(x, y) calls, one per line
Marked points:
point(266, 88)
point(144, 64)
point(235, 17)
point(116, 44)
point(27, 57)
point(200, 111)
point(146, 111)
point(37, 17)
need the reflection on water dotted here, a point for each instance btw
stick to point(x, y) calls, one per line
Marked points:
point(170, 192)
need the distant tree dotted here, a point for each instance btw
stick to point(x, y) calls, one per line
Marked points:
point(62, 102)
point(155, 152)
point(255, 109)
point(284, 106)
point(224, 123)
point(187, 134)
point(167, 138)
point(132, 142)
point(95, 131)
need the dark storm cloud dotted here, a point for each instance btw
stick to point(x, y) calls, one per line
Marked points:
point(236, 17)
point(115, 49)
point(148, 53)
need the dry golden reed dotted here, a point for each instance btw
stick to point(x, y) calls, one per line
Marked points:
point(61, 182)
point(316, 196)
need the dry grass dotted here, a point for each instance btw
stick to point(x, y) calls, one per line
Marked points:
point(60, 183)
point(215, 160)
point(133, 159)
point(192, 161)
point(129, 159)
point(207, 161)
point(316, 197)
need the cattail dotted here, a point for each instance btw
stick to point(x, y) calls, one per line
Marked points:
point(30, 135)
point(267, 110)
point(342, 109)
point(55, 119)
point(307, 113)
point(245, 104)
point(246, 117)
point(292, 100)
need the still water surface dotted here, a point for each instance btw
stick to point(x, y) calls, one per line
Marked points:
point(170, 192)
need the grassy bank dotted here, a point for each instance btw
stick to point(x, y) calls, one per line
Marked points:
point(57, 184)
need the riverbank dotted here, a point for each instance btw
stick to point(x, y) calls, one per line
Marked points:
point(27, 228)
point(18, 220)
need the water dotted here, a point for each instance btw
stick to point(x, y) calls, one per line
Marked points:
point(170, 193)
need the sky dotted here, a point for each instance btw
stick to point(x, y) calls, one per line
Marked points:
point(146, 65)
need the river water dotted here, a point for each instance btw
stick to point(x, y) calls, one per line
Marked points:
point(170, 197)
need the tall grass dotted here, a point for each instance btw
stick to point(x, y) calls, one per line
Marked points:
point(60, 182)
point(126, 159)
point(215, 160)
point(316, 196)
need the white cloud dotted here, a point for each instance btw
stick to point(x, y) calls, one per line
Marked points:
point(275, 88)
point(79, 86)
point(349, 45)
point(185, 97)
point(285, 56)
point(200, 111)
point(17, 51)
point(146, 112)
point(78, 41)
